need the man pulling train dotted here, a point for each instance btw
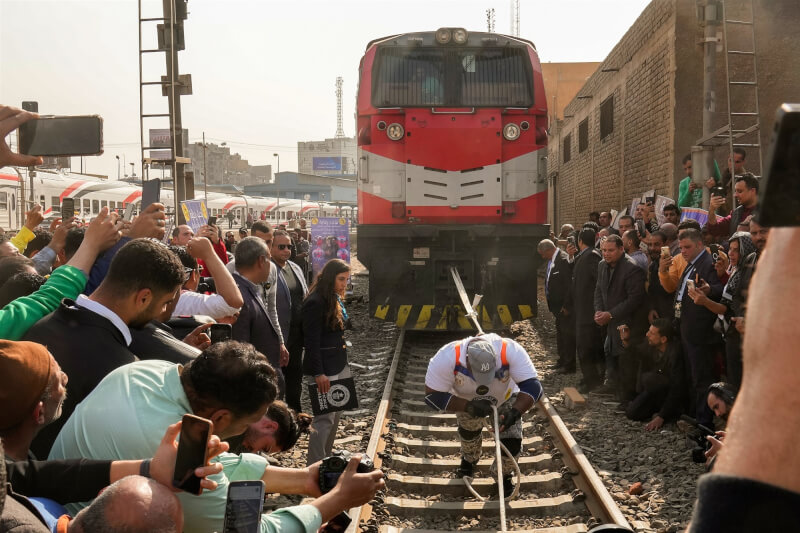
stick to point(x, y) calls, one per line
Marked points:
point(467, 377)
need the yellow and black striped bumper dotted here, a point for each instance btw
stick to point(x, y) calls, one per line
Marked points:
point(451, 317)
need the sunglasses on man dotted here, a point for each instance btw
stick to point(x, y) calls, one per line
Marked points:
point(283, 246)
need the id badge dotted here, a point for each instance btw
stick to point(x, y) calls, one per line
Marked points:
point(678, 310)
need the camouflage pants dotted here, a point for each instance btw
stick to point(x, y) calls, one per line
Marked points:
point(469, 431)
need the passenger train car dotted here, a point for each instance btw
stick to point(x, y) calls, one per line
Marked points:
point(91, 194)
point(451, 148)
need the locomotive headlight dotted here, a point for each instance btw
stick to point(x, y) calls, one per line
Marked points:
point(443, 35)
point(511, 131)
point(460, 35)
point(395, 131)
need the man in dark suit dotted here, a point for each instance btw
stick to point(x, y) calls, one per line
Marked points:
point(588, 335)
point(253, 267)
point(697, 322)
point(89, 337)
point(557, 285)
point(618, 297)
point(292, 290)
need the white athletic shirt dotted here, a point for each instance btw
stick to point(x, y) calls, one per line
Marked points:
point(446, 375)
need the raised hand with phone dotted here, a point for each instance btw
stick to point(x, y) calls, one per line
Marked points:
point(12, 118)
point(150, 224)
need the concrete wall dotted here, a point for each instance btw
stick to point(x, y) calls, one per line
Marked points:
point(562, 81)
point(656, 76)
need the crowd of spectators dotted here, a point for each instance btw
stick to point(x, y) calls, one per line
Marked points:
point(653, 307)
point(104, 347)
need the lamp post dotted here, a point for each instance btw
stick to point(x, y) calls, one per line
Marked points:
point(118, 163)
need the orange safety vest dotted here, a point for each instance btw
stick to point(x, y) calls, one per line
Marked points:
point(503, 359)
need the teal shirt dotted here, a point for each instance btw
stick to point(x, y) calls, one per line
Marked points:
point(125, 417)
point(18, 316)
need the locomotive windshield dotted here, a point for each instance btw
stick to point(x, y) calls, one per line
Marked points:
point(452, 77)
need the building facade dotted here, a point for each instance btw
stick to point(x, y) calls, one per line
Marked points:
point(298, 186)
point(630, 125)
point(224, 167)
point(331, 157)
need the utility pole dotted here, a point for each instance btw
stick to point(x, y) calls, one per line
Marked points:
point(709, 13)
point(174, 104)
point(339, 122)
point(277, 183)
point(205, 175)
point(490, 20)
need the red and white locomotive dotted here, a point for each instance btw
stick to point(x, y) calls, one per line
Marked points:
point(451, 147)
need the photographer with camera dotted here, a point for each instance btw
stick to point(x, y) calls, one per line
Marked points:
point(468, 377)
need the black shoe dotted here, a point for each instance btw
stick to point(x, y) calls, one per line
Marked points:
point(466, 469)
point(566, 369)
point(508, 487)
point(622, 407)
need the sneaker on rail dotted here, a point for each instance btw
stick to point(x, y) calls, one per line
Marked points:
point(466, 469)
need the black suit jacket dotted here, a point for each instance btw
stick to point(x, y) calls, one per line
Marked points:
point(253, 324)
point(156, 341)
point(559, 284)
point(697, 322)
point(326, 351)
point(657, 298)
point(88, 347)
point(621, 293)
point(584, 280)
point(283, 303)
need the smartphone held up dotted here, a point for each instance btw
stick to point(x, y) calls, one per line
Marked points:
point(192, 452)
point(62, 136)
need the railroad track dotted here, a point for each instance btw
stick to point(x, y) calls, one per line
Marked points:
point(419, 451)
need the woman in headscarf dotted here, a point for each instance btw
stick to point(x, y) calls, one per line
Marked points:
point(730, 305)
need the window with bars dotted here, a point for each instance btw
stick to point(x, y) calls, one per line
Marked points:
point(463, 77)
point(567, 146)
point(583, 135)
point(607, 117)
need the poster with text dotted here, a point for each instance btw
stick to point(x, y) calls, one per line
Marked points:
point(195, 213)
point(661, 203)
point(330, 239)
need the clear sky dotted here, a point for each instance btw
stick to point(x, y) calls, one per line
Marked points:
point(263, 71)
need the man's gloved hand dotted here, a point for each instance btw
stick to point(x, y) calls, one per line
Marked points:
point(508, 417)
point(478, 408)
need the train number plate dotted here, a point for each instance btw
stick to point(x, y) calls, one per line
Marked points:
point(422, 253)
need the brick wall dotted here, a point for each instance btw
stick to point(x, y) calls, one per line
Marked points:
point(636, 155)
point(655, 74)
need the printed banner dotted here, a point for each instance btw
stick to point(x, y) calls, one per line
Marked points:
point(330, 239)
point(194, 211)
point(700, 215)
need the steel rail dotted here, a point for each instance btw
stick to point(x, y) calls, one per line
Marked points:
point(599, 501)
point(376, 443)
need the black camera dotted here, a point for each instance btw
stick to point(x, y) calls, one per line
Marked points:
point(698, 436)
point(332, 467)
